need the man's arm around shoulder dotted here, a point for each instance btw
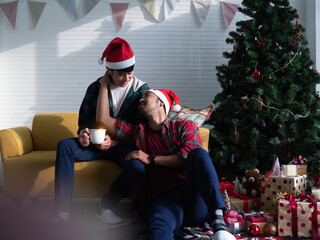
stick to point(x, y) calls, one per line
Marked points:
point(103, 117)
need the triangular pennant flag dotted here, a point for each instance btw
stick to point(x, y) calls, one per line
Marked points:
point(35, 9)
point(70, 7)
point(119, 12)
point(10, 10)
point(151, 6)
point(169, 6)
point(202, 9)
point(229, 10)
point(85, 7)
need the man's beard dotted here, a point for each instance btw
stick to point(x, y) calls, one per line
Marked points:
point(142, 117)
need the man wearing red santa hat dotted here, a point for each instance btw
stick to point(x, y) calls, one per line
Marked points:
point(125, 93)
point(184, 187)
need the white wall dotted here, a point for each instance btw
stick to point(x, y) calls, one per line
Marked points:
point(47, 69)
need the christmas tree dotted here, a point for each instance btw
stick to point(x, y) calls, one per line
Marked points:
point(268, 104)
point(227, 200)
point(314, 165)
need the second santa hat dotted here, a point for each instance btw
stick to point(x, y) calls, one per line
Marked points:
point(167, 97)
point(118, 54)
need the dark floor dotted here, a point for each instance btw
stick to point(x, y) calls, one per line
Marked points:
point(31, 219)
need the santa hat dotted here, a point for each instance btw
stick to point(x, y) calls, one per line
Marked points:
point(167, 97)
point(118, 55)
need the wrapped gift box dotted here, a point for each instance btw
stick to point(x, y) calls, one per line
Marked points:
point(270, 217)
point(299, 217)
point(302, 169)
point(257, 219)
point(235, 222)
point(237, 227)
point(292, 170)
point(279, 184)
point(238, 204)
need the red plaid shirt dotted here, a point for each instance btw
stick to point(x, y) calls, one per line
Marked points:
point(180, 136)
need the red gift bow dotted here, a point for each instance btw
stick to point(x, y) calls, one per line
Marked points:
point(233, 217)
point(293, 206)
point(299, 160)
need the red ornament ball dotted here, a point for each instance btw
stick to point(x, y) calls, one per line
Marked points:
point(255, 74)
point(269, 229)
point(254, 229)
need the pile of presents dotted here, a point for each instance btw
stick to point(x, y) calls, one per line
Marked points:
point(281, 203)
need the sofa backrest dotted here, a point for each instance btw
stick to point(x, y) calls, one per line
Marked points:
point(49, 128)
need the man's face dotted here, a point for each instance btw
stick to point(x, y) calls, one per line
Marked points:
point(120, 79)
point(148, 103)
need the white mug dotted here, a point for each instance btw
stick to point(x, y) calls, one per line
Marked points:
point(97, 135)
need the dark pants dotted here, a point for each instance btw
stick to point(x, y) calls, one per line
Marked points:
point(70, 150)
point(188, 204)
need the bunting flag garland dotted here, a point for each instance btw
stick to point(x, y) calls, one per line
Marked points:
point(119, 11)
point(229, 10)
point(169, 6)
point(70, 7)
point(151, 6)
point(202, 8)
point(35, 9)
point(10, 10)
point(85, 7)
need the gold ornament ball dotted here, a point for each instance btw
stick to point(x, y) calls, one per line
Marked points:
point(269, 229)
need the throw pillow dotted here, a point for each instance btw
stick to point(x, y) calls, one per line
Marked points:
point(198, 116)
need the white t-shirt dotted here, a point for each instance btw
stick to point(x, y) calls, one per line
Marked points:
point(118, 94)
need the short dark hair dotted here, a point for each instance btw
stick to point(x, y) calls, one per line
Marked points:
point(128, 69)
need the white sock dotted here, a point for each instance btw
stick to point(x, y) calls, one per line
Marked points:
point(109, 217)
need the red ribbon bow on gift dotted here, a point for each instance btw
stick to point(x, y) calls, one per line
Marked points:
point(294, 205)
point(232, 217)
point(299, 160)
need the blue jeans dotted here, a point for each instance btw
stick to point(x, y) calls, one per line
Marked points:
point(188, 204)
point(70, 150)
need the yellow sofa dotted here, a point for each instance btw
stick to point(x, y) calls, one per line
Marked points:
point(28, 159)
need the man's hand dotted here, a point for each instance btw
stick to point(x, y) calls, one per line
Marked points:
point(84, 138)
point(142, 156)
point(106, 79)
point(105, 145)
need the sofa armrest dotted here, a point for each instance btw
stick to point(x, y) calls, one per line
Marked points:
point(15, 142)
point(204, 134)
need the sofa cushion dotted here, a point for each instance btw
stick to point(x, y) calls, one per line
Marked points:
point(32, 175)
point(15, 142)
point(198, 116)
point(50, 128)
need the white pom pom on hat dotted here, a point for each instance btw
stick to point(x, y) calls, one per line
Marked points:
point(176, 108)
point(118, 54)
point(100, 61)
point(167, 97)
